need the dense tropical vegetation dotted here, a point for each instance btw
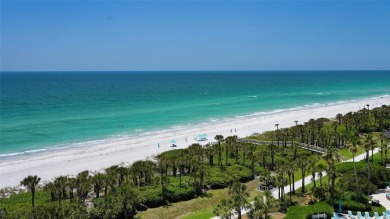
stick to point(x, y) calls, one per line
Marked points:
point(121, 191)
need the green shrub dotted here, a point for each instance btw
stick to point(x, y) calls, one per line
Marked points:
point(152, 196)
point(305, 212)
point(347, 167)
point(19, 205)
point(353, 206)
point(239, 172)
point(176, 194)
point(218, 179)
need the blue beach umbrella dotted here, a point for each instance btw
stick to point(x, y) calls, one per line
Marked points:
point(173, 141)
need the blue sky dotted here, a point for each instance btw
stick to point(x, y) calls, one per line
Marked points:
point(194, 35)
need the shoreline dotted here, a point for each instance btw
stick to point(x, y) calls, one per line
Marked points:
point(179, 127)
point(102, 154)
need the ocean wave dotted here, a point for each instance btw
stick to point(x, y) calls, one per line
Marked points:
point(29, 152)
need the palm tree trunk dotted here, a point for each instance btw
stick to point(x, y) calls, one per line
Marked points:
point(219, 155)
point(303, 181)
point(356, 179)
point(381, 157)
point(289, 182)
point(32, 199)
point(236, 154)
point(227, 155)
point(293, 182)
point(314, 179)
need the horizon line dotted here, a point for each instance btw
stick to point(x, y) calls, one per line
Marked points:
point(101, 71)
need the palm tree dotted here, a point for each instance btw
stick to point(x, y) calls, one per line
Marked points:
point(201, 171)
point(237, 146)
point(321, 168)
point(31, 182)
point(52, 189)
point(98, 181)
point(58, 191)
point(282, 168)
point(339, 117)
point(290, 173)
point(277, 133)
point(383, 147)
point(83, 185)
point(122, 173)
point(112, 177)
point(239, 196)
point(71, 183)
point(181, 162)
point(272, 147)
point(332, 156)
point(313, 168)
point(373, 146)
point(251, 156)
point(367, 145)
point(210, 151)
point(264, 203)
point(352, 146)
point(224, 209)
point(303, 162)
point(219, 138)
point(61, 181)
point(230, 141)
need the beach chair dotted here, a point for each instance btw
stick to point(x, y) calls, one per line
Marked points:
point(376, 215)
point(359, 215)
point(351, 215)
point(335, 215)
point(367, 215)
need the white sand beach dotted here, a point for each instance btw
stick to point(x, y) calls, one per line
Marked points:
point(49, 165)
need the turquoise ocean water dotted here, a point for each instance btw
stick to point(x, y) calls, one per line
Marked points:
point(49, 110)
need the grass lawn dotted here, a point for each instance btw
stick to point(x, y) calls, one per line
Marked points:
point(348, 155)
point(199, 208)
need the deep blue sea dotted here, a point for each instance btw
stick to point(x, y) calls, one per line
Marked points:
point(41, 110)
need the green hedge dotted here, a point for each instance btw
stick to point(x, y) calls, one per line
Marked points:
point(152, 196)
point(176, 194)
point(353, 206)
point(305, 212)
point(347, 167)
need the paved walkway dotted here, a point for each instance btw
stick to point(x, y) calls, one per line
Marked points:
point(298, 183)
point(380, 195)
